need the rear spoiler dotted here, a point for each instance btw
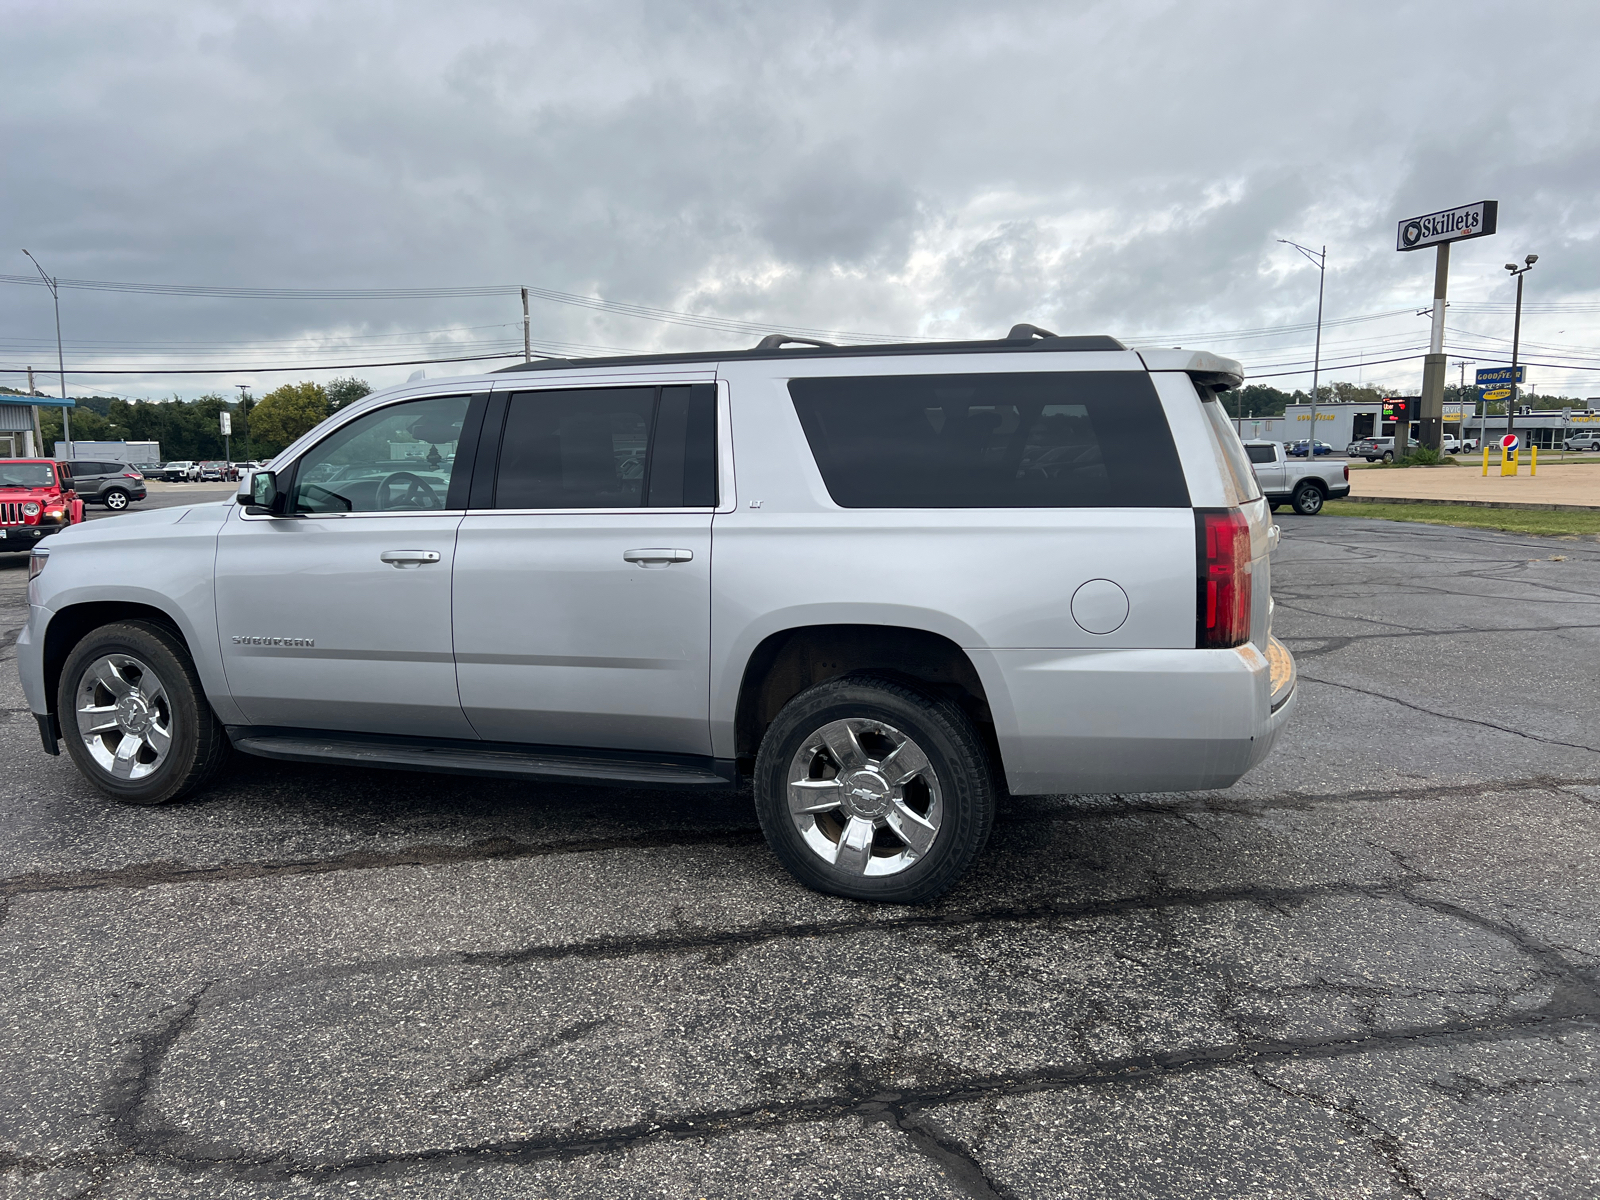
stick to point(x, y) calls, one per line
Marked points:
point(1212, 370)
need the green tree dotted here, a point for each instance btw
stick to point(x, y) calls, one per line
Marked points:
point(1256, 400)
point(284, 413)
point(343, 391)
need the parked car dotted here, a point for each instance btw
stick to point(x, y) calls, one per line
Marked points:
point(37, 499)
point(886, 585)
point(114, 484)
point(1587, 440)
point(1372, 449)
point(1469, 445)
point(213, 471)
point(1305, 486)
point(180, 471)
point(1449, 444)
point(1298, 450)
point(1350, 448)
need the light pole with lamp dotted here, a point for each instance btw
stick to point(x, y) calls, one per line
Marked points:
point(66, 426)
point(1321, 261)
point(1516, 334)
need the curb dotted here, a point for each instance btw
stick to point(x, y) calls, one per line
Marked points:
point(1580, 508)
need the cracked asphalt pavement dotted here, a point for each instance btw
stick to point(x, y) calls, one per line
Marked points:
point(1370, 968)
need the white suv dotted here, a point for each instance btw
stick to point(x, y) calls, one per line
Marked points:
point(886, 584)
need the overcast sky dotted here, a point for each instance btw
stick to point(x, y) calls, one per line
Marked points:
point(923, 169)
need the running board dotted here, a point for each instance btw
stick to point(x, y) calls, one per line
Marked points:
point(502, 760)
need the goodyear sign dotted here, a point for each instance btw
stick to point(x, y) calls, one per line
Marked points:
point(1448, 225)
point(1498, 376)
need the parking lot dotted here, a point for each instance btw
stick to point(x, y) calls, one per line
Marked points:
point(1371, 968)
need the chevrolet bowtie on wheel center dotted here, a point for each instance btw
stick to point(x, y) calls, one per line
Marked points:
point(888, 585)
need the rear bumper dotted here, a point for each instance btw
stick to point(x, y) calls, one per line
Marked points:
point(1135, 720)
point(1338, 493)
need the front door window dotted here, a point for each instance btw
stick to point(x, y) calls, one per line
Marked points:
point(397, 459)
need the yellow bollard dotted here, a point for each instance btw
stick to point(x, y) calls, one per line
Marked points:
point(1533, 460)
point(1486, 462)
point(1508, 462)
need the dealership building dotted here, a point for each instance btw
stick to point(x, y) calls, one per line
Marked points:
point(1340, 424)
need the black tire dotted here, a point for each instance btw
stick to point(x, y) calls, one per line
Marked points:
point(962, 796)
point(116, 499)
point(1308, 499)
point(197, 743)
point(1388, 456)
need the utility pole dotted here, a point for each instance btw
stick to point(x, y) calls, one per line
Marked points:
point(1461, 393)
point(1321, 259)
point(527, 344)
point(38, 428)
point(66, 426)
point(1516, 336)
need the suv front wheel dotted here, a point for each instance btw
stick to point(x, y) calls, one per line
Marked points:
point(134, 716)
point(872, 790)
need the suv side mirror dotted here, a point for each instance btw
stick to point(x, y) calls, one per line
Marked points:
point(259, 490)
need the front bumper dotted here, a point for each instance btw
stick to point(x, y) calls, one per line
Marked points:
point(25, 537)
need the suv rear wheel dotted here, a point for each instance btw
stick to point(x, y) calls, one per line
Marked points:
point(116, 499)
point(134, 716)
point(873, 790)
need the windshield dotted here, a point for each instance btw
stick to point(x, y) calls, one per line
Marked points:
point(28, 475)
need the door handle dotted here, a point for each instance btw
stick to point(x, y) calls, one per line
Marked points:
point(409, 558)
point(657, 557)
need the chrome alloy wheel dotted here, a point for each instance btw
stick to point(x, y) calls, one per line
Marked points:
point(864, 797)
point(124, 716)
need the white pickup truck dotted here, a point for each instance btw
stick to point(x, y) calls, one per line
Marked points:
point(1305, 485)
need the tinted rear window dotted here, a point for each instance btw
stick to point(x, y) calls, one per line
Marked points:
point(1081, 439)
point(1261, 454)
point(610, 448)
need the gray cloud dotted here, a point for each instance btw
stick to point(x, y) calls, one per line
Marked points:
point(932, 168)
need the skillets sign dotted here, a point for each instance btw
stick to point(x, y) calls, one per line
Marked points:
point(1450, 225)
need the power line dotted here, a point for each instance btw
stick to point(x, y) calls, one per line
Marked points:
point(593, 303)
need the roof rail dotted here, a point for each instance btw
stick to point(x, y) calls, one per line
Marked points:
point(1026, 333)
point(776, 341)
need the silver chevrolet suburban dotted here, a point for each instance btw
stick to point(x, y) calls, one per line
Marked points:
point(885, 584)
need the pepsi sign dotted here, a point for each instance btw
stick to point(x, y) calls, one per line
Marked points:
point(1509, 443)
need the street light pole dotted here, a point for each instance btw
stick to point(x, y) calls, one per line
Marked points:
point(1316, 359)
point(1516, 337)
point(66, 426)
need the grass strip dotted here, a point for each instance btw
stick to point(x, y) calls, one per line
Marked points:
point(1511, 520)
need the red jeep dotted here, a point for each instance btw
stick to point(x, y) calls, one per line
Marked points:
point(36, 500)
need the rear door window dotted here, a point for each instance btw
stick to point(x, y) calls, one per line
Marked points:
point(1261, 454)
point(628, 447)
point(1081, 439)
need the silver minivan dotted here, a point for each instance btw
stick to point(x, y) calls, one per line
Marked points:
point(886, 585)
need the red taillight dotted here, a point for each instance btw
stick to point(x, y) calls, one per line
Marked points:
point(1347, 472)
point(1222, 617)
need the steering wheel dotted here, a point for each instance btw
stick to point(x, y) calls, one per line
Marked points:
point(418, 493)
